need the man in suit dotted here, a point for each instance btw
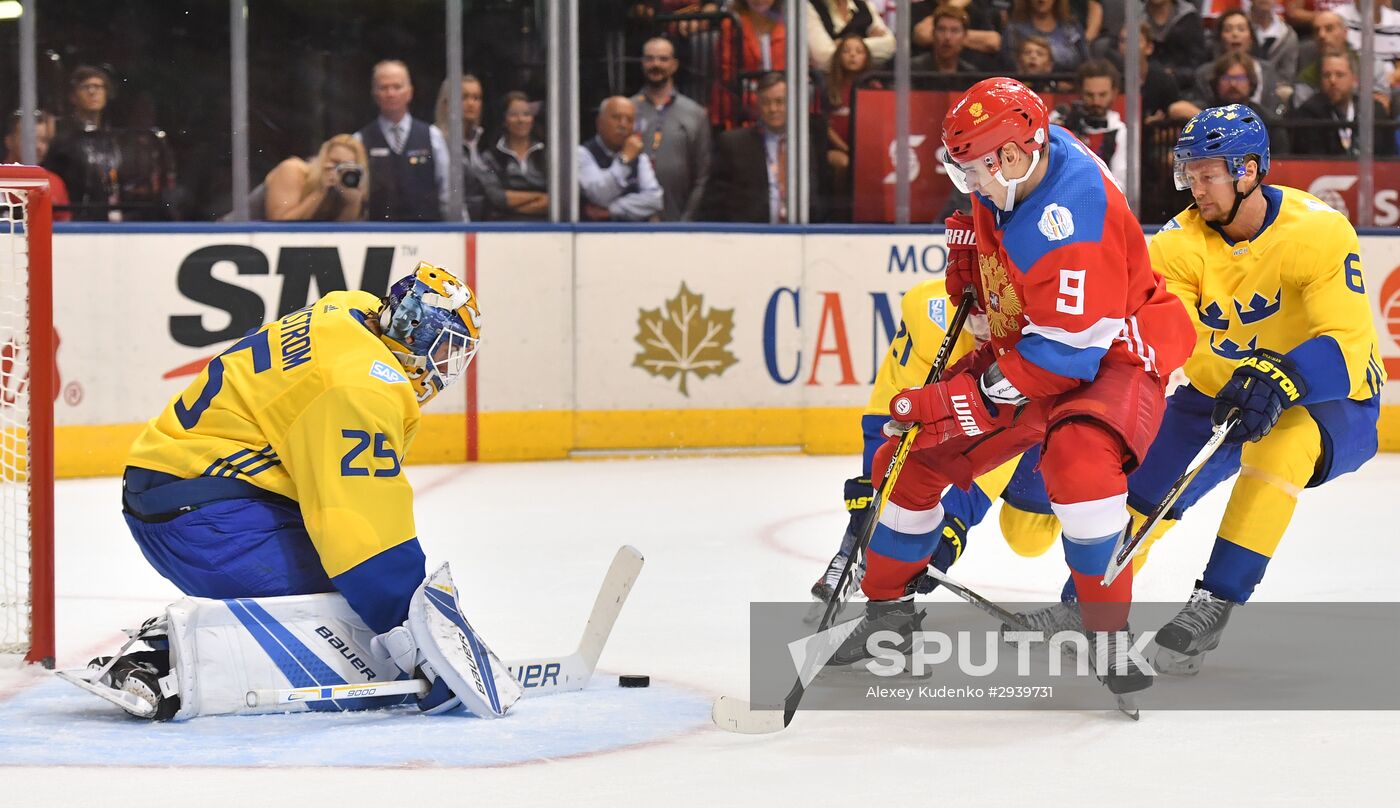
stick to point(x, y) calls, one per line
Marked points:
point(407, 157)
point(1337, 104)
point(748, 177)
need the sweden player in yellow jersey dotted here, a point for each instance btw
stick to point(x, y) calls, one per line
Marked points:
point(1028, 524)
point(1285, 341)
point(278, 471)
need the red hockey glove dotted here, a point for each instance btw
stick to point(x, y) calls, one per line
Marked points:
point(946, 410)
point(974, 362)
point(962, 254)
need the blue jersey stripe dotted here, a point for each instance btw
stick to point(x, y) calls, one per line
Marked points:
point(1060, 359)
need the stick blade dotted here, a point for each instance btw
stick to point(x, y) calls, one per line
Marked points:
point(737, 715)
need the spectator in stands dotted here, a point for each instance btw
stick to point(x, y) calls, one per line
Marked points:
point(330, 187)
point(1232, 81)
point(1093, 119)
point(473, 140)
point(830, 20)
point(1337, 105)
point(764, 36)
point(1179, 42)
point(1276, 44)
point(614, 175)
point(1034, 58)
point(675, 133)
point(849, 64)
point(84, 151)
point(748, 179)
point(944, 59)
point(517, 173)
point(1233, 34)
point(1050, 20)
point(982, 45)
point(407, 158)
point(1161, 100)
point(1302, 14)
point(1330, 35)
point(1089, 13)
point(1386, 24)
point(43, 136)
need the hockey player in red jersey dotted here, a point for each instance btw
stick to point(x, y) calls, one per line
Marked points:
point(1084, 336)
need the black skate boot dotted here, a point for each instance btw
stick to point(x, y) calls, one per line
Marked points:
point(1182, 644)
point(1051, 620)
point(1116, 668)
point(903, 617)
point(137, 675)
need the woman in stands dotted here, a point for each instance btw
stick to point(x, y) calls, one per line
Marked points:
point(333, 186)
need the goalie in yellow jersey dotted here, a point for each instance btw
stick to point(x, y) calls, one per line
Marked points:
point(1285, 342)
point(278, 472)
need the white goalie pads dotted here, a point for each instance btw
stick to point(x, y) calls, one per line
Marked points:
point(313, 652)
point(222, 651)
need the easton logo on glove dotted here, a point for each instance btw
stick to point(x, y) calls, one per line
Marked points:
point(1268, 368)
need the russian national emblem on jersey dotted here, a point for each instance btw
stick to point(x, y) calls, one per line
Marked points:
point(1003, 304)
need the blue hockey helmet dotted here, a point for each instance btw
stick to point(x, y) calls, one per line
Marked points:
point(432, 325)
point(1233, 133)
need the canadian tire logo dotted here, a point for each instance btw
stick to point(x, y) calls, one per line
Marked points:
point(681, 339)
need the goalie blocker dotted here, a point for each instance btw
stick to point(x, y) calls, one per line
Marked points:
point(220, 651)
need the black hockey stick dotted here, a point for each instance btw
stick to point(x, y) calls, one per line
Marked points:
point(737, 715)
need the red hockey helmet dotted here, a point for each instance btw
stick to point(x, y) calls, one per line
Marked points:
point(992, 113)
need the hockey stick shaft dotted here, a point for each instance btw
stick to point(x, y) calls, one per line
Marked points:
point(1123, 552)
point(882, 495)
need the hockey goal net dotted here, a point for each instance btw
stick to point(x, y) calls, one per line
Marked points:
point(27, 385)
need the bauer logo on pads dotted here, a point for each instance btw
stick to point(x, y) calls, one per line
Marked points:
point(384, 373)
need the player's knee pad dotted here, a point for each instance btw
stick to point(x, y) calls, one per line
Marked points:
point(1028, 534)
point(1261, 506)
point(1083, 461)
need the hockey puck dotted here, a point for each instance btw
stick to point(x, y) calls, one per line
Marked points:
point(634, 681)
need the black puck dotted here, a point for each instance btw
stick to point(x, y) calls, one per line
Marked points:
point(634, 681)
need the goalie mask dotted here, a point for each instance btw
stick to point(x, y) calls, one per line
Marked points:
point(431, 323)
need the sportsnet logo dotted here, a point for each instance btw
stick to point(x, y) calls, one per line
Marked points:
point(384, 373)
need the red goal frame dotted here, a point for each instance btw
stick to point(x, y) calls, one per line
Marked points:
point(34, 182)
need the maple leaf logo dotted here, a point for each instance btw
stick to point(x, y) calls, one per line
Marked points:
point(678, 339)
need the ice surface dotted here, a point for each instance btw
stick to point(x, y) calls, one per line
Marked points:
point(529, 544)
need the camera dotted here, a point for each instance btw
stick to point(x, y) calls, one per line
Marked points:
point(349, 174)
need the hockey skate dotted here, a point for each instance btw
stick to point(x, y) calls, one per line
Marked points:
point(900, 616)
point(1183, 643)
point(132, 679)
point(825, 587)
point(1115, 667)
point(1051, 620)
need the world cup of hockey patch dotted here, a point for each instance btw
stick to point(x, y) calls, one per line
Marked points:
point(1056, 223)
point(384, 373)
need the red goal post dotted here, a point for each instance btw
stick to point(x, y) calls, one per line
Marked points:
point(28, 378)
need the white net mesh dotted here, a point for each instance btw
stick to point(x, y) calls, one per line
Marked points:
point(15, 606)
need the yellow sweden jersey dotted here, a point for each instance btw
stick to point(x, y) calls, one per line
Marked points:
point(1299, 279)
point(924, 314)
point(312, 407)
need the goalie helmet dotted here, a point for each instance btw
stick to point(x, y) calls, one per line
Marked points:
point(432, 325)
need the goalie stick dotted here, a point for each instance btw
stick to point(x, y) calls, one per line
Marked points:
point(1123, 552)
point(1126, 705)
point(737, 715)
point(540, 676)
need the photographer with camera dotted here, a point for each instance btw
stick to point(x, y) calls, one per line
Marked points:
point(331, 187)
point(1093, 119)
